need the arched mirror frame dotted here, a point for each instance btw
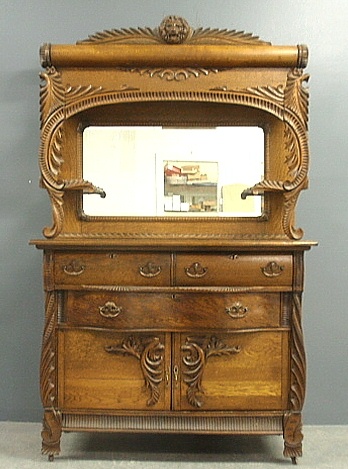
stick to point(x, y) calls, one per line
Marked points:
point(126, 72)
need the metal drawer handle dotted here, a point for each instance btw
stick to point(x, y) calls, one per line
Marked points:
point(74, 268)
point(150, 270)
point(110, 310)
point(272, 269)
point(196, 270)
point(237, 311)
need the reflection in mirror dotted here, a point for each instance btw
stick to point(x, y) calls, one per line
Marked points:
point(165, 171)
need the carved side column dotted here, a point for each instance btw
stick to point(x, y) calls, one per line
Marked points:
point(293, 419)
point(51, 431)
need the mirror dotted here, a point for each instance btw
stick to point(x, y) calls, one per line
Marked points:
point(167, 171)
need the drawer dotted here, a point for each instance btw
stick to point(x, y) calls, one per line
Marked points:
point(174, 312)
point(143, 269)
point(237, 269)
point(227, 311)
point(119, 310)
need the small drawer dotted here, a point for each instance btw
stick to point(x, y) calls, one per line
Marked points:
point(233, 269)
point(109, 268)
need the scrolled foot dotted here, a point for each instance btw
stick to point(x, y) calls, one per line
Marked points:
point(51, 433)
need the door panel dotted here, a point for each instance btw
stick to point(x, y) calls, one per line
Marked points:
point(237, 371)
point(108, 370)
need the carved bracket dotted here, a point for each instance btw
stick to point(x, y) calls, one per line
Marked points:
point(196, 353)
point(150, 353)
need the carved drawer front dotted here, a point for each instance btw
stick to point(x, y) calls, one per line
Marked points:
point(110, 268)
point(237, 371)
point(119, 310)
point(234, 269)
point(227, 311)
point(109, 370)
point(179, 311)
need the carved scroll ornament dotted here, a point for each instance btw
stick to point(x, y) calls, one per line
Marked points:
point(197, 351)
point(150, 353)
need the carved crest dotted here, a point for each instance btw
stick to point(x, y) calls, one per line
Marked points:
point(173, 30)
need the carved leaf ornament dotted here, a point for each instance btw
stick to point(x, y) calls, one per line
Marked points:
point(289, 104)
point(197, 352)
point(150, 353)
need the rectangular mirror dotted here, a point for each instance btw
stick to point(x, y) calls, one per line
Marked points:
point(166, 171)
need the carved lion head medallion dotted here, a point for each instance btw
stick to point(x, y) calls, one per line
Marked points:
point(174, 30)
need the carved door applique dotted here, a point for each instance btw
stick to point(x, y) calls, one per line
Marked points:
point(150, 353)
point(196, 352)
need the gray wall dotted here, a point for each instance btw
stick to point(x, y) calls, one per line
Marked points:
point(322, 211)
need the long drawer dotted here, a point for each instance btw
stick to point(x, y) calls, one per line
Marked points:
point(105, 268)
point(233, 269)
point(172, 311)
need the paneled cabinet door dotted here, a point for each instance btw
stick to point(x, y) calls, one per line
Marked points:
point(234, 371)
point(113, 370)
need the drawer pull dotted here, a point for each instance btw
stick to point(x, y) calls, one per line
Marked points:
point(196, 270)
point(237, 311)
point(272, 269)
point(110, 310)
point(150, 270)
point(74, 268)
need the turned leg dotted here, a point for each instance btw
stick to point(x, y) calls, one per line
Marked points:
point(293, 436)
point(51, 433)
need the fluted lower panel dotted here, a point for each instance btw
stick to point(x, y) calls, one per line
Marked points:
point(211, 424)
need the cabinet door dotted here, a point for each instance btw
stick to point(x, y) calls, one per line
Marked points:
point(234, 371)
point(113, 370)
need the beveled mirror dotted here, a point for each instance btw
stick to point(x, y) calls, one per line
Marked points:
point(151, 171)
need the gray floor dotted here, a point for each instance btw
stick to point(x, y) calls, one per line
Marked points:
point(324, 447)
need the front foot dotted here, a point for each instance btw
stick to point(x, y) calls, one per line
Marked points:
point(51, 433)
point(293, 436)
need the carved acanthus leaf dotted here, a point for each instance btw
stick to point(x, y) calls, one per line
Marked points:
point(274, 93)
point(292, 152)
point(124, 36)
point(150, 353)
point(52, 93)
point(296, 96)
point(196, 353)
point(223, 36)
point(79, 92)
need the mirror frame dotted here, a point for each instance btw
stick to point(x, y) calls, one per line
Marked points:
point(186, 77)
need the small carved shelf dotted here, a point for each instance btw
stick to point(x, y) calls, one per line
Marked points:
point(177, 323)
